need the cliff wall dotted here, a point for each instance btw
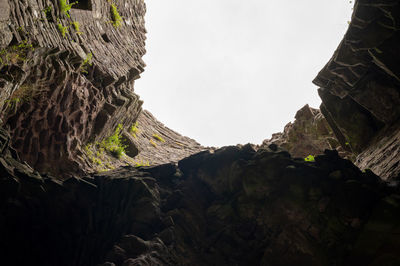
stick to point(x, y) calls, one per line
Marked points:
point(360, 87)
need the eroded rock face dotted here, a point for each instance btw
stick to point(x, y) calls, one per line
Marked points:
point(234, 206)
point(158, 144)
point(67, 77)
point(360, 85)
point(309, 134)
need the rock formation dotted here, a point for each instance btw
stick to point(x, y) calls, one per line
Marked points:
point(67, 81)
point(69, 114)
point(67, 76)
point(309, 134)
point(234, 206)
point(360, 86)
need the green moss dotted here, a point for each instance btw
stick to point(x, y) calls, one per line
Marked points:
point(157, 137)
point(134, 130)
point(142, 163)
point(96, 152)
point(309, 158)
point(76, 25)
point(62, 29)
point(64, 7)
point(116, 19)
point(16, 53)
point(87, 62)
point(153, 143)
point(113, 144)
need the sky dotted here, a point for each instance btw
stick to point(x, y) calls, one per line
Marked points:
point(227, 72)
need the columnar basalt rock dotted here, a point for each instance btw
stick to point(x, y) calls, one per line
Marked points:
point(158, 144)
point(360, 85)
point(232, 206)
point(74, 81)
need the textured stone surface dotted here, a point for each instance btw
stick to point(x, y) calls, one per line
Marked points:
point(309, 134)
point(146, 142)
point(233, 206)
point(55, 98)
point(360, 85)
point(383, 155)
point(172, 146)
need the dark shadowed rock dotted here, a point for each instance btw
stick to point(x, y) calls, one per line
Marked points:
point(360, 87)
point(309, 134)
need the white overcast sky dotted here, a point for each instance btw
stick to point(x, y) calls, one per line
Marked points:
point(231, 71)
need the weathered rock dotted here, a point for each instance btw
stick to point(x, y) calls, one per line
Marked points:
point(158, 144)
point(360, 86)
point(383, 155)
point(309, 134)
point(67, 77)
point(232, 206)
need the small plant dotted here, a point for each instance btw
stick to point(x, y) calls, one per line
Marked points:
point(134, 130)
point(157, 137)
point(87, 62)
point(12, 104)
point(153, 143)
point(76, 25)
point(47, 13)
point(64, 7)
point(62, 29)
point(116, 19)
point(113, 144)
point(309, 158)
point(15, 53)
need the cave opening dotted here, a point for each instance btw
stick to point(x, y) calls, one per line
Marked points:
point(253, 67)
point(83, 4)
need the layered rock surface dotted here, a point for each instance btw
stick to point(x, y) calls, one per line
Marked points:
point(158, 144)
point(67, 76)
point(234, 206)
point(360, 84)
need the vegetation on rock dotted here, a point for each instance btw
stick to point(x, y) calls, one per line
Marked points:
point(116, 18)
point(76, 26)
point(157, 137)
point(153, 143)
point(47, 13)
point(86, 63)
point(62, 29)
point(134, 129)
point(64, 7)
point(15, 53)
point(309, 158)
point(113, 144)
